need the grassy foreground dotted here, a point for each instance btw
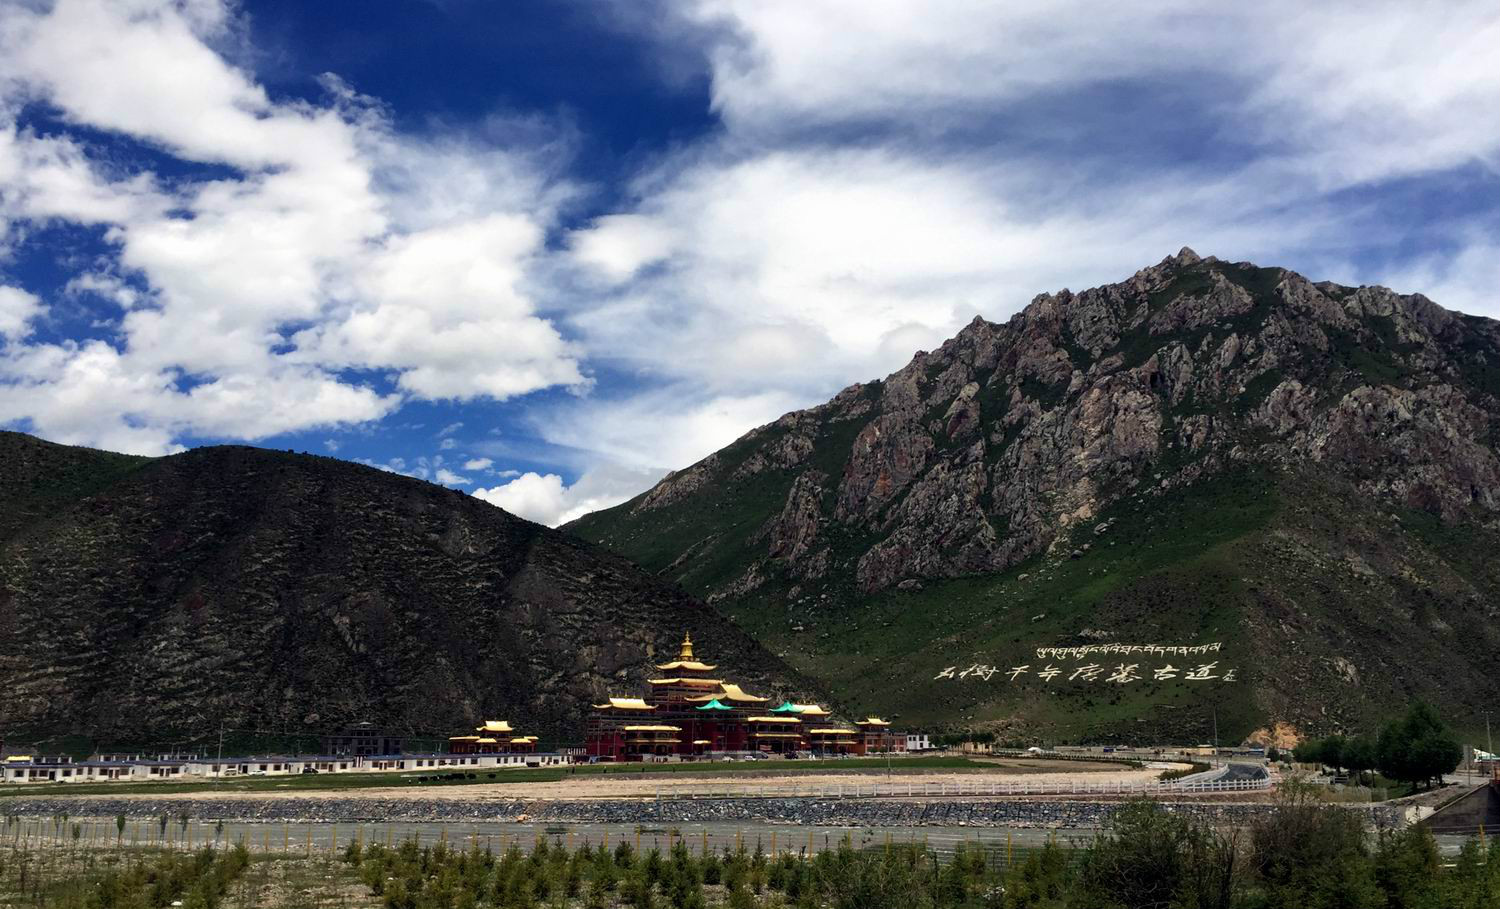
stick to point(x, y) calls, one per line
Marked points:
point(336, 782)
point(1304, 854)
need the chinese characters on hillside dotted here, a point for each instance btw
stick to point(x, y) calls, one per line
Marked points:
point(1120, 664)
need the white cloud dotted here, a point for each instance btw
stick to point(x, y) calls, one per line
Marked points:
point(1354, 91)
point(449, 478)
point(450, 429)
point(684, 426)
point(546, 499)
point(620, 245)
point(1464, 279)
point(17, 309)
point(478, 464)
point(339, 251)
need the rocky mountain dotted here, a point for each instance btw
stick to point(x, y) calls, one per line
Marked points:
point(1209, 452)
point(150, 601)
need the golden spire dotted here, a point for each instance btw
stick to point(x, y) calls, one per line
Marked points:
point(686, 653)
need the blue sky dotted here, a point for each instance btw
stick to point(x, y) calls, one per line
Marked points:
point(544, 251)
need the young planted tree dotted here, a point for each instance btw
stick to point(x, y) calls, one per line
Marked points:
point(1418, 748)
point(1359, 755)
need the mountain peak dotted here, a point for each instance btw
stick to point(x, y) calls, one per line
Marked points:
point(1015, 445)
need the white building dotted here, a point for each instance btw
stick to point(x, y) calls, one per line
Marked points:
point(918, 741)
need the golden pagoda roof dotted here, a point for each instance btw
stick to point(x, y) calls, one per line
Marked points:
point(625, 704)
point(832, 730)
point(872, 721)
point(523, 740)
point(685, 659)
point(463, 738)
point(731, 692)
point(810, 710)
point(774, 719)
point(653, 728)
point(488, 741)
point(494, 726)
point(700, 683)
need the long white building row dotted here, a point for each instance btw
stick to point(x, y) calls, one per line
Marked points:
point(201, 768)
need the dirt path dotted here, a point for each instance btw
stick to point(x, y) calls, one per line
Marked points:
point(649, 785)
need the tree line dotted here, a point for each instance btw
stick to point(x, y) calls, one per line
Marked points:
point(1417, 749)
point(1301, 853)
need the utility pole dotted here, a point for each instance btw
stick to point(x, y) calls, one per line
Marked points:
point(219, 773)
point(1216, 731)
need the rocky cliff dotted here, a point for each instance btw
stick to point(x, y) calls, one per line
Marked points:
point(1207, 450)
point(148, 601)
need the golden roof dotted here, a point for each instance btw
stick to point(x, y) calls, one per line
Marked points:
point(831, 730)
point(653, 728)
point(463, 738)
point(625, 704)
point(735, 693)
point(685, 658)
point(488, 741)
point(701, 683)
point(872, 721)
point(523, 740)
point(773, 719)
point(777, 735)
point(810, 710)
point(703, 741)
point(494, 726)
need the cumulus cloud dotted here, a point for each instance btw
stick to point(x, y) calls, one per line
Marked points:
point(276, 295)
point(478, 464)
point(449, 478)
point(546, 499)
point(17, 309)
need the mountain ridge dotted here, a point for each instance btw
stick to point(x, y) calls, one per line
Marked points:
point(146, 600)
point(1017, 445)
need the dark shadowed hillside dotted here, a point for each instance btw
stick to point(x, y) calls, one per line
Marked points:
point(1207, 452)
point(148, 600)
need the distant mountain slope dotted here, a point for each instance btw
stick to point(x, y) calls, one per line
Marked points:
point(148, 600)
point(1206, 452)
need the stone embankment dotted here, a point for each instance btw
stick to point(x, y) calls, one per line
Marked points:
point(818, 812)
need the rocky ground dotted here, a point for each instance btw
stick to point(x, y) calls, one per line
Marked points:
point(796, 811)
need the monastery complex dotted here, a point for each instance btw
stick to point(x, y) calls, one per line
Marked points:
point(689, 713)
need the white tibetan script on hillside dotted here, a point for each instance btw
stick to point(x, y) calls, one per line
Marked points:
point(1194, 668)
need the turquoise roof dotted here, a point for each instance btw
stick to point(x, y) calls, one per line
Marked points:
point(715, 705)
point(786, 707)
